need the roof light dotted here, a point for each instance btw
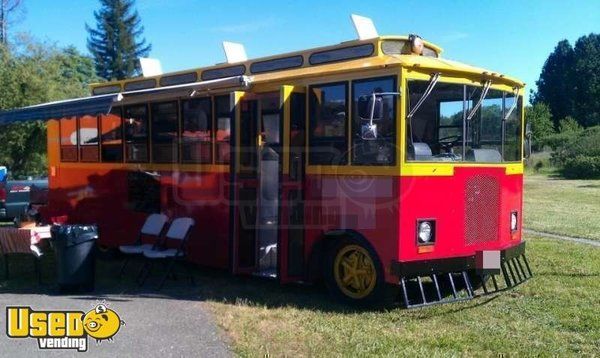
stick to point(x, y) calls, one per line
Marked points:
point(416, 44)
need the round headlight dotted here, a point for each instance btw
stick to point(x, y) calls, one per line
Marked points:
point(425, 231)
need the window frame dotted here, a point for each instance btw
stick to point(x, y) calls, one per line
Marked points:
point(395, 81)
point(312, 62)
point(60, 138)
point(152, 132)
point(216, 114)
point(347, 142)
point(101, 130)
point(148, 133)
point(82, 147)
point(211, 123)
point(465, 131)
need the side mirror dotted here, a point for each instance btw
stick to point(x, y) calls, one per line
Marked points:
point(528, 140)
point(370, 108)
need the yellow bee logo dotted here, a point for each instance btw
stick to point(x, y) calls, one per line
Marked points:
point(102, 323)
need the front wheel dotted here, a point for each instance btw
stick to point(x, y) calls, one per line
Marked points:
point(354, 273)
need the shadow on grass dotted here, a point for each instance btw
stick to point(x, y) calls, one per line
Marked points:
point(210, 285)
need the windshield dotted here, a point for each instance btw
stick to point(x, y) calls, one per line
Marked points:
point(463, 123)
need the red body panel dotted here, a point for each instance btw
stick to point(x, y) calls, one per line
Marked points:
point(382, 209)
point(101, 197)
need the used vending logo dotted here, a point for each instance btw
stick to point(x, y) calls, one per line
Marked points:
point(63, 329)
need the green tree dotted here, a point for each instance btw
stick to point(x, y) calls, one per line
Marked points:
point(32, 73)
point(569, 125)
point(587, 75)
point(116, 43)
point(540, 119)
point(555, 85)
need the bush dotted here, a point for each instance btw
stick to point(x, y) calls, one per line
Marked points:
point(579, 155)
point(581, 167)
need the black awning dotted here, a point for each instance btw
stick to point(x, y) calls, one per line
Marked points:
point(97, 105)
point(54, 110)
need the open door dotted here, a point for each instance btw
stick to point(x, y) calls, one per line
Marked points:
point(292, 248)
point(257, 171)
point(268, 179)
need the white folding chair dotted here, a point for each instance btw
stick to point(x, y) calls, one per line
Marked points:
point(154, 226)
point(179, 232)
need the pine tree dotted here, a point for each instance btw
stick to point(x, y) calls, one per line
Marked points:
point(556, 82)
point(586, 71)
point(115, 42)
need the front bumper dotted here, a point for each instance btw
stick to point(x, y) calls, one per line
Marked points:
point(459, 278)
point(451, 264)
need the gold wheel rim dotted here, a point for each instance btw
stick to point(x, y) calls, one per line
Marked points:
point(354, 272)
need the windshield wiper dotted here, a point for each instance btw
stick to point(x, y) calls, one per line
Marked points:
point(484, 92)
point(514, 105)
point(435, 77)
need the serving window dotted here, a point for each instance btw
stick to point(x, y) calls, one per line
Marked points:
point(136, 134)
point(89, 150)
point(112, 136)
point(165, 131)
point(223, 122)
point(68, 139)
point(196, 131)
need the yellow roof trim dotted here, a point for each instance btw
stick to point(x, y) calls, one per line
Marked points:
point(378, 59)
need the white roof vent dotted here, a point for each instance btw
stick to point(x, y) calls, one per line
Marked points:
point(234, 52)
point(364, 26)
point(150, 67)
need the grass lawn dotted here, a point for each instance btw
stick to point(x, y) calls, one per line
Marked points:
point(559, 206)
point(555, 313)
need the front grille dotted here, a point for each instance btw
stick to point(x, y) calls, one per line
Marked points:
point(482, 209)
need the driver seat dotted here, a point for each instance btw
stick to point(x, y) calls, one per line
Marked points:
point(420, 152)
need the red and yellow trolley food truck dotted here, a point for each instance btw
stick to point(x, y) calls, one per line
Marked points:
point(369, 164)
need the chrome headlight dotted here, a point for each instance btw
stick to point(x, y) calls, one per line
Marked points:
point(425, 232)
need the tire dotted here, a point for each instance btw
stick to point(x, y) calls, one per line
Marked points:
point(367, 288)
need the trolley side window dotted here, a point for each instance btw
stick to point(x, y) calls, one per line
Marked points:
point(196, 131)
point(223, 123)
point(165, 131)
point(89, 150)
point(328, 140)
point(112, 136)
point(513, 148)
point(380, 150)
point(484, 129)
point(136, 134)
point(68, 139)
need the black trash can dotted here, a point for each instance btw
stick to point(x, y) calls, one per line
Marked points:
point(75, 252)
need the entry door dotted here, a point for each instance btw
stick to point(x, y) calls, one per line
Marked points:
point(292, 255)
point(257, 181)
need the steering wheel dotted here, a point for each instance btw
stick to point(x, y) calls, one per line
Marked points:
point(446, 144)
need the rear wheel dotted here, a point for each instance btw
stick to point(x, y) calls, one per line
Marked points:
point(354, 273)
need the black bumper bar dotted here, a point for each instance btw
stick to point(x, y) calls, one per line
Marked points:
point(453, 264)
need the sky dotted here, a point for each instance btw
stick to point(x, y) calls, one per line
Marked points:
point(510, 37)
